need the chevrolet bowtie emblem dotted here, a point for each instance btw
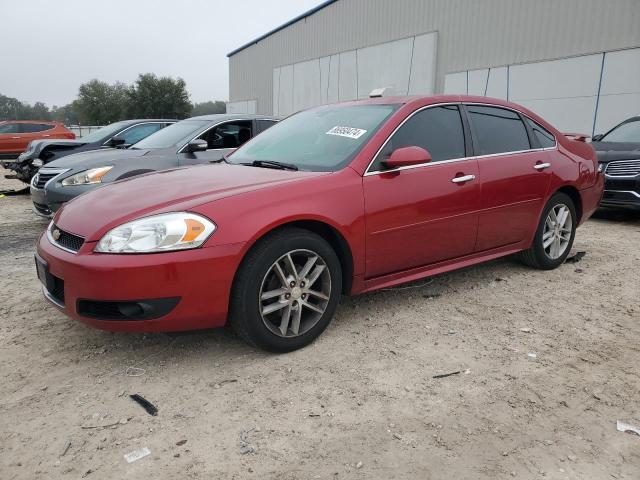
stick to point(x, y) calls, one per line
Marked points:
point(56, 234)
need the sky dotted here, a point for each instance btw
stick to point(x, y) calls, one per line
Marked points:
point(49, 48)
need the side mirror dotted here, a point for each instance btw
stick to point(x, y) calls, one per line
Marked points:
point(116, 141)
point(597, 138)
point(407, 156)
point(197, 145)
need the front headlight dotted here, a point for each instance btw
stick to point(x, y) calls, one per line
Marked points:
point(158, 233)
point(87, 177)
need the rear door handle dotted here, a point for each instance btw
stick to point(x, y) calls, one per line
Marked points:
point(463, 179)
point(541, 166)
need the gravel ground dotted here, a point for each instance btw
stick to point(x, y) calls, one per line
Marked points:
point(548, 362)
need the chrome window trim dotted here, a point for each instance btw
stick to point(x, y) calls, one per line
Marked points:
point(57, 171)
point(206, 129)
point(130, 127)
point(452, 160)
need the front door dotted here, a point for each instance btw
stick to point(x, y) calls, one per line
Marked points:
point(222, 140)
point(423, 214)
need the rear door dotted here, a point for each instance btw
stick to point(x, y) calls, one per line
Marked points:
point(515, 173)
point(422, 214)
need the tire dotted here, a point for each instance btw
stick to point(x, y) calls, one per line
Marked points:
point(258, 278)
point(547, 258)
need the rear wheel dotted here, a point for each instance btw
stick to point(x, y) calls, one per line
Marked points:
point(286, 290)
point(554, 237)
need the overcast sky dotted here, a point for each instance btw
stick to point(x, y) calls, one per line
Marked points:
point(48, 48)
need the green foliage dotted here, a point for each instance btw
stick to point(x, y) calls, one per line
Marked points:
point(208, 108)
point(101, 103)
point(158, 97)
point(14, 109)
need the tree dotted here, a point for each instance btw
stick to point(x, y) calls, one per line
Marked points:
point(14, 109)
point(67, 114)
point(99, 103)
point(208, 108)
point(158, 97)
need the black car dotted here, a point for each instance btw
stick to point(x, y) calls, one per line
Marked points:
point(619, 156)
point(192, 141)
point(119, 134)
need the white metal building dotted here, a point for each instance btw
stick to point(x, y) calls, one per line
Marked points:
point(575, 62)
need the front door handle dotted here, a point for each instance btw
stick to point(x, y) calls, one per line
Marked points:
point(463, 179)
point(541, 166)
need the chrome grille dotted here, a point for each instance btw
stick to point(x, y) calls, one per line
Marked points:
point(623, 168)
point(43, 176)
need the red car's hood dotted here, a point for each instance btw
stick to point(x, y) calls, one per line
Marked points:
point(94, 213)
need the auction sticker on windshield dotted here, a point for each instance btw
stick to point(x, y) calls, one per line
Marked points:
point(348, 132)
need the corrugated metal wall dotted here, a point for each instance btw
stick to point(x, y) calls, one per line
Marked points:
point(472, 34)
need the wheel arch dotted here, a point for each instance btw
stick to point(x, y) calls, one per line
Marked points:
point(574, 194)
point(328, 232)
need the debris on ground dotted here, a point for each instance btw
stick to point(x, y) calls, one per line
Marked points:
point(627, 428)
point(245, 445)
point(181, 442)
point(223, 382)
point(532, 355)
point(146, 404)
point(575, 258)
point(137, 455)
point(525, 330)
point(443, 375)
point(67, 446)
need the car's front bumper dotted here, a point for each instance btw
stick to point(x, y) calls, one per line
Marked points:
point(621, 192)
point(48, 200)
point(193, 284)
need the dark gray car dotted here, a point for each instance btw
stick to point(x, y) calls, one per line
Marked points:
point(188, 142)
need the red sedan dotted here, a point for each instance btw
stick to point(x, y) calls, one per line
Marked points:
point(345, 198)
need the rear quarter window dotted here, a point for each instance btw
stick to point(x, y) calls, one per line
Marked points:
point(544, 138)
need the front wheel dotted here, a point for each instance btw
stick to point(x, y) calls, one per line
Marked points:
point(554, 237)
point(286, 290)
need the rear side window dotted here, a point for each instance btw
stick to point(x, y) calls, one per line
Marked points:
point(35, 127)
point(436, 129)
point(544, 137)
point(497, 130)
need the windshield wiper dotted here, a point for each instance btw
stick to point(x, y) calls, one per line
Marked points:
point(272, 164)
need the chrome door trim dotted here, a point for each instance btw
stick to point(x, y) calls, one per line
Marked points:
point(541, 166)
point(476, 157)
point(463, 179)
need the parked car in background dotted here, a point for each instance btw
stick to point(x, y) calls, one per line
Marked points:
point(188, 142)
point(120, 134)
point(344, 198)
point(619, 155)
point(15, 135)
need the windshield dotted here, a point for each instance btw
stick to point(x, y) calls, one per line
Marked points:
point(627, 132)
point(103, 132)
point(322, 139)
point(173, 135)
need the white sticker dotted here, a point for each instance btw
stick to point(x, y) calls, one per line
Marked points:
point(348, 132)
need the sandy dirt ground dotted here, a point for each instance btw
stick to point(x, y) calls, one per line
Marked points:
point(549, 362)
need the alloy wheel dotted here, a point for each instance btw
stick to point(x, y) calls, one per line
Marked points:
point(295, 293)
point(556, 235)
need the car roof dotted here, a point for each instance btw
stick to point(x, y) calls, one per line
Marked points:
point(32, 121)
point(138, 120)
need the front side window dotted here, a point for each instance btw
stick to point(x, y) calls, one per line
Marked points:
point(497, 130)
point(227, 135)
point(137, 133)
point(322, 139)
point(627, 132)
point(438, 130)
